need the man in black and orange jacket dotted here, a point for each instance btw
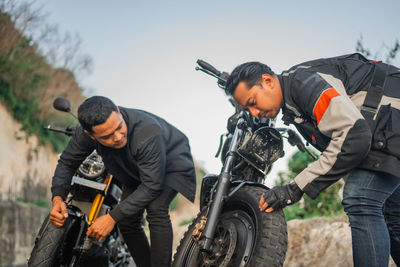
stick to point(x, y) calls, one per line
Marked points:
point(348, 107)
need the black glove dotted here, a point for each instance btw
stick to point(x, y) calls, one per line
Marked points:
point(281, 196)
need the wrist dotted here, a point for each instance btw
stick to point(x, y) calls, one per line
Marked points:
point(57, 199)
point(295, 192)
point(294, 187)
point(111, 218)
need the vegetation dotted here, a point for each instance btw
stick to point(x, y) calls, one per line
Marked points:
point(28, 82)
point(186, 222)
point(385, 52)
point(42, 203)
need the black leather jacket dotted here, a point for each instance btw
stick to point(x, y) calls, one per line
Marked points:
point(156, 154)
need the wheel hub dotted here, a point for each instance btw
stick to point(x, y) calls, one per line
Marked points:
point(223, 246)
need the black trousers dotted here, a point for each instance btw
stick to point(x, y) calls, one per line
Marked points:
point(160, 252)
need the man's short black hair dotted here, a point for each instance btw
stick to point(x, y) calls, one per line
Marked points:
point(249, 72)
point(94, 111)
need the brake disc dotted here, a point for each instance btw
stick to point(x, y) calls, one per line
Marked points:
point(231, 229)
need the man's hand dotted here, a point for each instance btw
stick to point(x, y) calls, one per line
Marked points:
point(279, 197)
point(101, 227)
point(59, 212)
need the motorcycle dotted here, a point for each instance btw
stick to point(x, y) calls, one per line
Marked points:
point(93, 193)
point(230, 230)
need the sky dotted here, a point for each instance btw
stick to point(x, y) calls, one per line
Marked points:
point(145, 52)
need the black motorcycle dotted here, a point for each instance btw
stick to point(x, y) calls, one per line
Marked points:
point(230, 229)
point(93, 193)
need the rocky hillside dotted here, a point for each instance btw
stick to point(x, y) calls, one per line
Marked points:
point(25, 168)
point(19, 224)
point(25, 174)
point(320, 242)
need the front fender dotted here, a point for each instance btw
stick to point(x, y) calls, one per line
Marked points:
point(210, 180)
point(207, 185)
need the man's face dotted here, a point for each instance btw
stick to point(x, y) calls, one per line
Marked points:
point(112, 133)
point(263, 99)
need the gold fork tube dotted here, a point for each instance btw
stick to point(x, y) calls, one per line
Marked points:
point(98, 201)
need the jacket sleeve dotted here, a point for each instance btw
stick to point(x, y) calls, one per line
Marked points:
point(151, 162)
point(78, 148)
point(338, 118)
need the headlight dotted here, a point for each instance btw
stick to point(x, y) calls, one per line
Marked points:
point(92, 167)
point(263, 148)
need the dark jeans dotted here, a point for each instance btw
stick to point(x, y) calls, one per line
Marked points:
point(160, 231)
point(372, 203)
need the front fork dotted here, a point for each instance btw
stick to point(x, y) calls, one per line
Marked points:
point(98, 200)
point(94, 211)
point(224, 181)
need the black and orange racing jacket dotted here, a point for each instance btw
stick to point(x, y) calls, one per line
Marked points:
point(347, 107)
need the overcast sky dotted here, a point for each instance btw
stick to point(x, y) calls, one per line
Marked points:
point(145, 52)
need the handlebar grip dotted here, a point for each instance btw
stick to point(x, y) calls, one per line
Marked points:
point(55, 128)
point(208, 67)
point(58, 129)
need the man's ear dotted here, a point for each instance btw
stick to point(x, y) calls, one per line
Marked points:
point(89, 134)
point(267, 79)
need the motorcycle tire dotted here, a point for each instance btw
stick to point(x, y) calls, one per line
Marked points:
point(244, 236)
point(54, 245)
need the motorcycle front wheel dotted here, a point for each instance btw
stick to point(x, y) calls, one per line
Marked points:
point(244, 236)
point(54, 245)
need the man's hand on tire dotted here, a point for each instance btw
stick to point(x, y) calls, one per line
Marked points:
point(280, 196)
point(59, 212)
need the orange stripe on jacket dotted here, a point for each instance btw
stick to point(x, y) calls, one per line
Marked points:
point(323, 102)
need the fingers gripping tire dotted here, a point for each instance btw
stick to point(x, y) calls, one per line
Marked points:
point(49, 243)
point(258, 238)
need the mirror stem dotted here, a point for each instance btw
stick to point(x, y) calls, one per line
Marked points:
point(73, 115)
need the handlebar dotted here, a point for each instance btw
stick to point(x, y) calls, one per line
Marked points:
point(208, 67)
point(293, 138)
point(65, 130)
point(211, 70)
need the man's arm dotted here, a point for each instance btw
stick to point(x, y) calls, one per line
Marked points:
point(338, 118)
point(78, 148)
point(151, 161)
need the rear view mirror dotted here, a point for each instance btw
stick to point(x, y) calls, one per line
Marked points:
point(62, 104)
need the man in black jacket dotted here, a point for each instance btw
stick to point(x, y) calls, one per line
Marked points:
point(348, 107)
point(150, 157)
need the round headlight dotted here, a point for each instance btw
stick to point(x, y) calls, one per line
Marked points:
point(93, 166)
point(263, 148)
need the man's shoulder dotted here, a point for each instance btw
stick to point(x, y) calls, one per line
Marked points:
point(139, 115)
point(140, 119)
point(328, 64)
point(142, 125)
